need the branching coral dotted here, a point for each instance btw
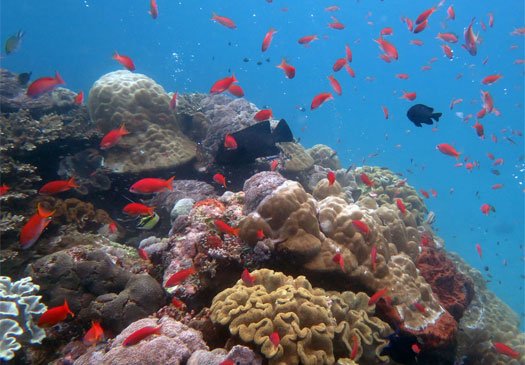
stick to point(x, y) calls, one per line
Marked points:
point(19, 310)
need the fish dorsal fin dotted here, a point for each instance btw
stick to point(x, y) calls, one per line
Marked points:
point(282, 132)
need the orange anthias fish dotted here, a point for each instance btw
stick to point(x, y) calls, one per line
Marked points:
point(141, 334)
point(229, 142)
point(307, 39)
point(220, 179)
point(348, 53)
point(143, 254)
point(448, 150)
point(138, 209)
point(224, 227)
point(275, 339)
point(447, 51)
point(43, 85)
point(274, 164)
point(350, 70)
point(153, 9)
point(478, 248)
point(503, 349)
point(361, 226)
point(420, 307)
point(471, 40)
point(336, 24)
point(421, 27)
point(152, 185)
point(425, 15)
point(113, 137)
point(247, 278)
point(377, 295)
point(227, 22)
point(338, 64)
point(4, 189)
point(34, 227)
point(480, 131)
point(58, 186)
point(55, 315)
point(388, 48)
point(179, 304)
point(490, 79)
point(409, 95)
point(94, 335)
point(236, 90)
point(335, 85)
point(262, 115)
point(355, 347)
point(401, 206)
point(451, 14)
point(268, 39)
point(366, 180)
point(288, 69)
point(373, 257)
point(180, 276)
point(339, 260)
point(222, 85)
point(385, 111)
point(448, 37)
point(173, 101)
point(331, 178)
point(319, 99)
point(487, 208)
point(79, 98)
point(125, 61)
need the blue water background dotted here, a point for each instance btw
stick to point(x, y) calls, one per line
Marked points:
point(185, 51)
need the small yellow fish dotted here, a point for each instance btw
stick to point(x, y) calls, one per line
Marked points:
point(13, 42)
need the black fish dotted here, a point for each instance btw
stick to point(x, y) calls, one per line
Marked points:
point(255, 141)
point(23, 78)
point(420, 113)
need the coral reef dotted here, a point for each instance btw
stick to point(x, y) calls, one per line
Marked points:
point(173, 346)
point(155, 140)
point(324, 156)
point(302, 316)
point(192, 189)
point(96, 287)
point(240, 355)
point(296, 158)
point(19, 310)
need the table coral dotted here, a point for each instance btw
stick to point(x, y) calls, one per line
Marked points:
point(19, 310)
point(301, 314)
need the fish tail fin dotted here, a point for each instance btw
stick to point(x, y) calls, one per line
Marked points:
point(282, 132)
point(66, 307)
point(213, 15)
point(59, 78)
point(169, 183)
point(115, 55)
point(123, 130)
point(158, 329)
point(43, 212)
point(71, 183)
point(436, 116)
point(235, 232)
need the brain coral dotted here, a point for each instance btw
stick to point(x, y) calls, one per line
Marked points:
point(302, 316)
point(18, 308)
point(155, 140)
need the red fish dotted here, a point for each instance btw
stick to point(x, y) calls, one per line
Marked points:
point(503, 349)
point(112, 227)
point(355, 347)
point(336, 24)
point(497, 186)
point(471, 40)
point(247, 278)
point(491, 20)
point(361, 226)
point(388, 48)
point(335, 85)
point(319, 99)
point(94, 335)
point(227, 22)
point(425, 15)
point(421, 27)
point(487, 208)
point(447, 51)
point(34, 227)
point(331, 178)
point(480, 131)
point(228, 361)
point(491, 79)
point(409, 95)
point(338, 64)
point(43, 85)
point(338, 259)
point(58, 186)
point(224, 227)
point(409, 23)
point(377, 295)
point(416, 348)
point(153, 9)
point(454, 102)
point(451, 14)
point(373, 257)
point(385, 111)
point(236, 90)
point(260, 234)
point(481, 114)
point(173, 101)
point(141, 334)
point(263, 114)
point(229, 142)
point(267, 39)
point(223, 84)
point(416, 42)
point(137, 209)
point(448, 150)
point(180, 276)
point(79, 98)
point(420, 307)
point(366, 180)
point(386, 31)
point(4, 189)
point(402, 76)
point(143, 254)
point(152, 185)
point(348, 53)
point(55, 315)
point(478, 248)
point(125, 61)
point(332, 8)
point(307, 39)
point(113, 137)
point(288, 69)
point(350, 70)
point(177, 303)
point(434, 193)
point(448, 37)
point(274, 338)
point(274, 164)
point(401, 206)
point(220, 179)
point(424, 193)
point(498, 162)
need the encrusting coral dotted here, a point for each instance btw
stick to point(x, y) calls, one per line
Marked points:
point(19, 310)
point(307, 319)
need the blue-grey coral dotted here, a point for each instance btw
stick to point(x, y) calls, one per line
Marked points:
point(19, 309)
